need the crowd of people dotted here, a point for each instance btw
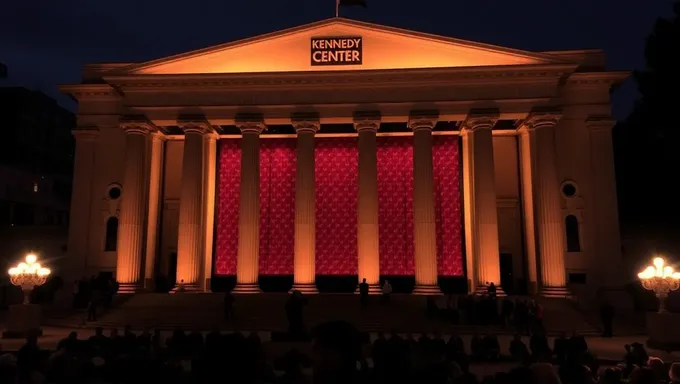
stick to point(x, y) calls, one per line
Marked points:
point(338, 355)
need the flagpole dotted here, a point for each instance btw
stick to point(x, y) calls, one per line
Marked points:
point(337, 8)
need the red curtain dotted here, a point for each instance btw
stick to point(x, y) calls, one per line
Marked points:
point(277, 206)
point(395, 205)
point(229, 179)
point(336, 166)
point(336, 206)
point(447, 184)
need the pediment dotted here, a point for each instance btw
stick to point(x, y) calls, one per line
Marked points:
point(381, 48)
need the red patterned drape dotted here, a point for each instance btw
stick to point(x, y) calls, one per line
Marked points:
point(336, 198)
point(336, 165)
point(395, 205)
point(226, 238)
point(277, 206)
point(446, 162)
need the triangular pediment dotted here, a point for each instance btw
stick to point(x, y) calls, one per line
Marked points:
point(382, 47)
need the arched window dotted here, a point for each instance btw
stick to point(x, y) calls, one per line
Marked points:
point(573, 237)
point(111, 234)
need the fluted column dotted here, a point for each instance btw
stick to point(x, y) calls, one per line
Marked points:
point(479, 125)
point(468, 209)
point(424, 224)
point(190, 238)
point(155, 181)
point(247, 263)
point(541, 127)
point(133, 207)
point(527, 171)
point(81, 203)
point(605, 216)
point(367, 125)
point(209, 181)
point(305, 207)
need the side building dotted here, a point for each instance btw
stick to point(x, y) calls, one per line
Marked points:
point(36, 161)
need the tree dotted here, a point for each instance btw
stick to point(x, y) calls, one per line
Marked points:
point(647, 143)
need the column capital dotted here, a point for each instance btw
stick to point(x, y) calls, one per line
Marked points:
point(85, 133)
point(194, 125)
point(367, 120)
point(307, 122)
point(600, 123)
point(480, 119)
point(423, 120)
point(139, 126)
point(250, 123)
point(542, 119)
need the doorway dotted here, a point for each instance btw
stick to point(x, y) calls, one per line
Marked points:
point(507, 276)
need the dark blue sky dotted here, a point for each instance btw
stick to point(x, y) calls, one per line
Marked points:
point(46, 42)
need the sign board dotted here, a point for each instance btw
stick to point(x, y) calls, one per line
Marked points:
point(345, 50)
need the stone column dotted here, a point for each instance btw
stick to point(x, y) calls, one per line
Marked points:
point(604, 210)
point(468, 209)
point(81, 202)
point(526, 173)
point(190, 239)
point(209, 181)
point(424, 224)
point(156, 162)
point(305, 206)
point(131, 229)
point(541, 127)
point(367, 125)
point(247, 263)
point(479, 125)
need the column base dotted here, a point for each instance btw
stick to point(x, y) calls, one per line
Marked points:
point(484, 290)
point(426, 290)
point(305, 288)
point(246, 289)
point(188, 288)
point(373, 289)
point(555, 292)
point(127, 288)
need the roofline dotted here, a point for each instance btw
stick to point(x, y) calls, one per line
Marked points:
point(340, 20)
point(113, 77)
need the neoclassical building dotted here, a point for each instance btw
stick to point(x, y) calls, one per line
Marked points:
point(347, 148)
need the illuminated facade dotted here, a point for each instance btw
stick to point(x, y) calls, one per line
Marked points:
point(347, 148)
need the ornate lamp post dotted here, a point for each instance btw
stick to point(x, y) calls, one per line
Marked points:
point(28, 275)
point(24, 319)
point(661, 279)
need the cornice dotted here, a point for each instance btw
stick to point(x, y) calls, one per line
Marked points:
point(91, 91)
point(597, 79)
point(421, 76)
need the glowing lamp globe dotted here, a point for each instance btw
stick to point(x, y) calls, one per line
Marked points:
point(28, 275)
point(660, 278)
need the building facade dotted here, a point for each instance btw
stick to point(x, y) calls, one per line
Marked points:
point(347, 148)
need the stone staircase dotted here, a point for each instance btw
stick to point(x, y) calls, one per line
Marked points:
point(265, 312)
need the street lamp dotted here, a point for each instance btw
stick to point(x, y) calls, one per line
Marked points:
point(661, 279)
point(28, 275)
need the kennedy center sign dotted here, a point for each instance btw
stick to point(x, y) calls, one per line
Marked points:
point(337, 50)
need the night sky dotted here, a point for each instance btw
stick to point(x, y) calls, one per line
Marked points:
point(46, 42)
